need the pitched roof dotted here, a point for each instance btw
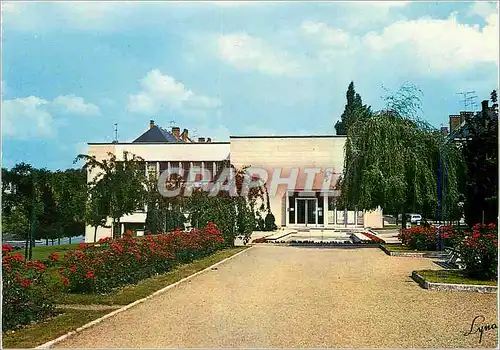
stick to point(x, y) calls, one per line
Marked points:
point(157, 134)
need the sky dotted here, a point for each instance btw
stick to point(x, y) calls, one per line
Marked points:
point(71, 70)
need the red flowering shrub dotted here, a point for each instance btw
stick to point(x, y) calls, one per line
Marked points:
point(373, 237)
point(26, 294)
point(419, 237)
point(478, 251)
point(107, 264)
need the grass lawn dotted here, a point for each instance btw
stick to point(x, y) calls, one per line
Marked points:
point(451, 276)
point(33, 335)
point(43, 252)
point(129, 294)
point(402, 248)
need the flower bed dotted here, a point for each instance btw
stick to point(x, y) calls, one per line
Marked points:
point(260, 240)
point(373, 237)
point(27, 296)
point(426, 238)
point(98, 268)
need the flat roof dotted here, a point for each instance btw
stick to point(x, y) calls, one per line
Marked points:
point(221, 142)
point(285, 136)
point(157, 143)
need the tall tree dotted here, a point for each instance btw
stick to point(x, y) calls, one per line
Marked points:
point(123, 183)
point(354, 109)
point(481, 154)
point(392, 159)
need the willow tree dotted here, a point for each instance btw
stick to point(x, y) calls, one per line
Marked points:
point(392, 159)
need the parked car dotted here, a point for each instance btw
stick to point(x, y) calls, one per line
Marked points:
point(413, 218)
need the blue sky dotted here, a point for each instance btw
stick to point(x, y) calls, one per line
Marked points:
point(70, 70)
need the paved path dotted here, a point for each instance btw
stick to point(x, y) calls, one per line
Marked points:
point(300, 297)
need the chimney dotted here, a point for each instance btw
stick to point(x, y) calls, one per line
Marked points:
point(201, 139)
point(484, 106)
point(176, 131)
point(184, 135)
point(209, 139)
point(454, 122)
point(444, 131)
point(151, 124)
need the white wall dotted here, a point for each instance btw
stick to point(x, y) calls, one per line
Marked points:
point(287, 153)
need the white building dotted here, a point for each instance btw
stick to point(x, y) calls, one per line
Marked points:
point(301, 160)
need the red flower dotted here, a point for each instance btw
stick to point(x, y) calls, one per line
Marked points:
point(25, 283)
point(38, 265)
point(6, 248)
point(65, 281)
point(54, 256)
point(90, 274)
point(73, 268)
point(81, 245)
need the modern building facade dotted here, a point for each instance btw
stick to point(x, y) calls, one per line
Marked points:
point(300, 172)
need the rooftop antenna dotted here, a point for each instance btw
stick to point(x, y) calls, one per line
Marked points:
point(116, 133)
point(172, 123)
point(195, 133)
point(468, 100)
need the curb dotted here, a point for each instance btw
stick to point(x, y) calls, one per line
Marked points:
point(484, 289)
point(126, 307)
point(436, 255)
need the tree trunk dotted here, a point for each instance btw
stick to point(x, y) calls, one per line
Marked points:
point(95, 234)
point(58, 241)
point(69, 240)
point(403, 219)
point(46, 241)
point(26, 246)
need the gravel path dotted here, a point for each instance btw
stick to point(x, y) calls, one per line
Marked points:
point(300, 297)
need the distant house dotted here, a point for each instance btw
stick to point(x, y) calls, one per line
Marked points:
point(458, 124)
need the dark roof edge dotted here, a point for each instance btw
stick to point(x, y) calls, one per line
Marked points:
point(157, 143)
point(287, 137)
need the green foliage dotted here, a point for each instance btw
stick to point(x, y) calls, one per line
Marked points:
point(270, 222)
point(27, 297)
point(122, 183)
point(354, 109)
point(478, 251)
point(392, 159)
point(480, 151)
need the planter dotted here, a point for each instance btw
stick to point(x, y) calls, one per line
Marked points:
point(453, 287)
point(410, 254)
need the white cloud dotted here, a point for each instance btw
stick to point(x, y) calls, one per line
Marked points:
point(438, 45)
point(161, 90)
point(428, 45)
point(32, 117)
point(25, 118)
point(249, 53)
point(76, 105)
point(483, 8)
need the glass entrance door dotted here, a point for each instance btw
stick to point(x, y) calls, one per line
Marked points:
point(306, 211)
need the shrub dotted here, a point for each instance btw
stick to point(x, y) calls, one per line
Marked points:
point(260, 240)
point(27, 296)
point(419, 237)
point(111, 263)
point(269, 223)
point(478, 250)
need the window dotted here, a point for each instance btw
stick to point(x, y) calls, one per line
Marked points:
point(152, 168)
